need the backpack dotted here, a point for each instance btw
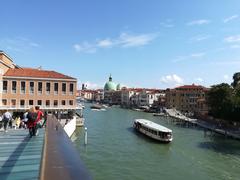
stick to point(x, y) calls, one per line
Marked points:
point(31, 116)
point(5, 118)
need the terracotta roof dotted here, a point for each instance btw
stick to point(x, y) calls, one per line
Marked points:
point(36, 73)
point(193, 86)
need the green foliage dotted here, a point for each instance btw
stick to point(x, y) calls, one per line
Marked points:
point(236, 79)
point(224, 100)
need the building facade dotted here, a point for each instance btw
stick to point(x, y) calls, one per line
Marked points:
point(22, 88)
point(187, 98)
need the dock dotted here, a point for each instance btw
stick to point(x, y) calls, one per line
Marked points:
point(50, 155)
point(203, 124)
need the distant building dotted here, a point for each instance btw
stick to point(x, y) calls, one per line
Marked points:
point(147, 97)
point(91, 95)
point(21, 88)
point(112, 92)
point(84, 86)
point(187, 98)
point(126, 96)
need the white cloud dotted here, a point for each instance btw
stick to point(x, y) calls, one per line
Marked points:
point(190, 56)
point(18, 44)
point(126, 40)
point(197, 55)
point(226, 77)
point(167, 24)
point(232, 39)
point(84, 47)
point(105, 43)
point(34, 44)
point(123, 40)
point(198, 22)
point(235, 46)
point(199, 79)
point(199, 38)
point(226, 20)
point(171, 80)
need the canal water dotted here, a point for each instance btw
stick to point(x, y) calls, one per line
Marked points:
point(116, 151)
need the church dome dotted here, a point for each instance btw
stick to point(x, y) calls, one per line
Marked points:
point(110, 86)
point(119, 87)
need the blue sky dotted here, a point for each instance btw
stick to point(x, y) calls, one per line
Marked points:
point(155, 44)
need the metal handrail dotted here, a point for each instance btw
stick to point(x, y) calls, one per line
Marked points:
point(60, 159)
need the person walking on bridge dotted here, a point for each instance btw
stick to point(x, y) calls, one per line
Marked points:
point(7, 116)
point(31, 123)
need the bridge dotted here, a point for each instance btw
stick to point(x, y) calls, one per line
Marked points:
point(50, 155)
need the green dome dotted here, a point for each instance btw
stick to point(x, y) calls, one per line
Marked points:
point(110, 86)
point(119, 87)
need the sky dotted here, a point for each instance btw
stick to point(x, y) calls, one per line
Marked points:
point(150, 44)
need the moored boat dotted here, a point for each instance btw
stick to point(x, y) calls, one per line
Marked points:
point(158, 114)
point(96, 106)
point(153, 130)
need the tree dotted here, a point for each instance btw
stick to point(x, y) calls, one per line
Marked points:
point(236, 80)
point(219, 99)
point(224, 100)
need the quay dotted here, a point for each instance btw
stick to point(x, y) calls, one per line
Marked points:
point(203, 124)
point(50, 155)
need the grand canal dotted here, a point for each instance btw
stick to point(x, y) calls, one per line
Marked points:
point(116, 151)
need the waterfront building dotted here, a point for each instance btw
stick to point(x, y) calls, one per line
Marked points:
point(112, 92)
point(22, 88)
point(126, 96)
point(91, 95)
point(139, 97)
point(188, 99)
point(147, 97)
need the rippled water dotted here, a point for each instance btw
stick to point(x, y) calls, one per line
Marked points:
point(116, 151)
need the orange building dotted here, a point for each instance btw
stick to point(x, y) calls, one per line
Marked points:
point(188, 98)
point(21, 88)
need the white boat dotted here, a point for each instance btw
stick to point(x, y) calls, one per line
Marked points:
point(158, 114)
point(153, 130)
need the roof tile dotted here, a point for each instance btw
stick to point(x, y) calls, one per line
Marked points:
point(36, 73)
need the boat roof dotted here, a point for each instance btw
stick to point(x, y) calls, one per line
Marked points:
point(153, 125)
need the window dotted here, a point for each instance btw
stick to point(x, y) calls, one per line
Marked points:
point(31, 88)
point(48, 87)
point(64, 88)
point(14, 87)
point(39, 87)
point(47, 103)
point(55, 88)
point(71, 88)
point(4, 102)
point(55, 103)
point(71, 102)
point(63, 102)
point(5, 84)
point(30, 102)
point(39, 102)
point(22, 102)
point(13, 102)
point(23, 87)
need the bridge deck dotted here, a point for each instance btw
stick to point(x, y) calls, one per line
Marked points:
point(20, 155)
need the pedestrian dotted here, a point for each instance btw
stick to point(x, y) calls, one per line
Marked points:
point(7, 118)
point(31, 123)
point(25, 119)
point(1, 122)
point(45, 119)
point(38, 122)
point(18, 122)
